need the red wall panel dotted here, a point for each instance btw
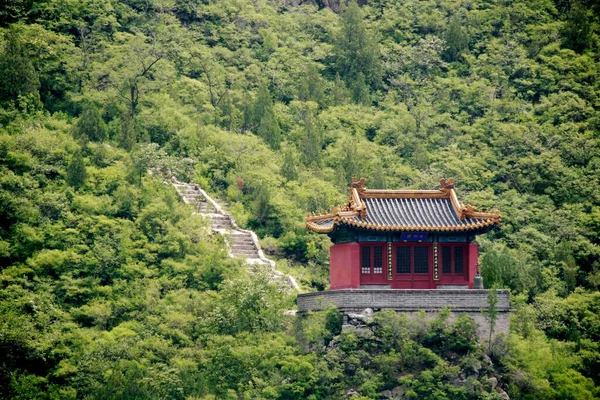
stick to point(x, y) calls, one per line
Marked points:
point(344, 270)
point(473, 262)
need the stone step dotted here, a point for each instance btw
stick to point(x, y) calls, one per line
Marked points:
point(243, 247)
point(241, 243)
point(192, 196)
point(247, 255)
point(241, 238)
point(189, 192)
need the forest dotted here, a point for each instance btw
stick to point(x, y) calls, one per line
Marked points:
point(110, 288)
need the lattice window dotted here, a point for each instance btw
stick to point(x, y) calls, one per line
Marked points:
point(403, 260)
point(458, 260)
point(378, 259)
point(365, 264)
point(421, 263)
point(446, 260)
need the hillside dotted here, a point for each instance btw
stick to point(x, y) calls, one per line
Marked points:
point(111, 288)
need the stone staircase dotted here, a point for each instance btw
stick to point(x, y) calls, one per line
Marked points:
point(241, 243)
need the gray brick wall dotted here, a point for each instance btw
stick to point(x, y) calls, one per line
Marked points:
point(469, 302)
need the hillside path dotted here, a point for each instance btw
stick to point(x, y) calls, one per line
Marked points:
point(240, 242)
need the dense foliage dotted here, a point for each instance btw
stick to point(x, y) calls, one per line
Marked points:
point(110, 288)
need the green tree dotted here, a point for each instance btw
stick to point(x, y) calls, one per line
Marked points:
point(126, 132)
point(456, 40)
point(18, 78)
point(491, 314)
point(146, 157)
point(312, 139)
point(90, 125)
point(578, 30)
point(360, 90)
point(289, 169)
point(311, 86)
point(136, 65)
point(76, 173)
point(249, 305)
point(356, 50)
point(339, 92)
point(269, 129)
point(260, 117)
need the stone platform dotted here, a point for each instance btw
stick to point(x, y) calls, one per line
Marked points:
point(410, 301)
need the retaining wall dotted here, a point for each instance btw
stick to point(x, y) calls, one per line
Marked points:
point(470, 302)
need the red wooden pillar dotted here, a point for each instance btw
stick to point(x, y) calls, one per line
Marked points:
point(344, 269)
point(473, 258)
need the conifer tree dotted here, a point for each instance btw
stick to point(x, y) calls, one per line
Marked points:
point(17, 74)
point(360, 90)
point(90, 125)
point(127, 134)
point(262, 105)
point(312, 140)
point(339, 93)
point(348, 163)
point(456, 40)
point(269, 129)
point(262, 120)
point(311, 86)
point(378, 177)
point(578, 29)
point(288, 168)
point(76, 173)
point(247, 113)
point(356, 50)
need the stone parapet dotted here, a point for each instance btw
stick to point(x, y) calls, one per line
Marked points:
point(410, 301)
point(401, 300)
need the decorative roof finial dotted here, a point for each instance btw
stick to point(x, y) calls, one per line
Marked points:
point(358, 185)
point(447, 183)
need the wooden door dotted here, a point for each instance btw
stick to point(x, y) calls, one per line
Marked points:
point(412, 266)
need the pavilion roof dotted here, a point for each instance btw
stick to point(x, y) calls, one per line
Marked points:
point(404, 210)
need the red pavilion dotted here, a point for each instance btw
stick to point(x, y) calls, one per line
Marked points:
point(403, 239)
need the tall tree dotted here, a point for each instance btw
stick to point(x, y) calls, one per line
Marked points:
point(312, 140)
point(339, 93)
point(254, 111)
point(288, 168)
point(311, 86)
point(76, 173)
point(456, 40)
point(90, 125)
point(269, 129)
point(360, 90)
point(578, 29)
point(18, 77)
point(356, 50)
point(135, 65)
point(260, 118)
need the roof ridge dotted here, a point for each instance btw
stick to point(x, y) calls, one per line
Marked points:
point(409, 216)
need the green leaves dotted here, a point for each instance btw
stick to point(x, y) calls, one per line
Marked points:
point(76, 173)
point(356, 52)
point(117, 291)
